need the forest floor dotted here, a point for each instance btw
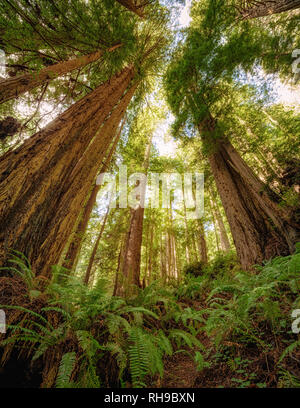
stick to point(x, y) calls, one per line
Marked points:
point(250, 368)
point(233, 348)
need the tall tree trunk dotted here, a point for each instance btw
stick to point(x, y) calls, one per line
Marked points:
point(187, 251)
point(163, 262)
point(254, 9)
point(45, 182)
point(174, 257)
point(131, 266)
point(120, 257)
point(195, 252)
point(225, 245)
point(172, 243)
point(146, 255)
point(215, 225)
point(76, 242)
point(150, 255)
point(13, 87)
point(132, 259)
point(136, 6)
point(94, 251)
point(201, 242)
point(260, 228)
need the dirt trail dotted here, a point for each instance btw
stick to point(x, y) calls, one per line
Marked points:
point(180, 372)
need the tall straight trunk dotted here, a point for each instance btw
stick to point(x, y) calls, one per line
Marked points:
point(187, 251)
point(174, 257)
point(132, 259)
point(215, 225)
point(201, 242)
point(76, 242)
point(120, 257)
point(13, 87)
point(163, 260)
point(136, 6)
point(225, 245)
point(195, 252)
point(44, 183)
point(168, 257)
point(131, 265)
point(172, 244)
point(150, 255)
point(94, 251)
point(260, 228)
point(178, 263)
point(254, 9)
point(146, 255)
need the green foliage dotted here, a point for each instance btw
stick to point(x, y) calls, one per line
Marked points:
point(195, 269)
point(22, 268)
point(137, 333)
point(65, 370)
point(138, 356)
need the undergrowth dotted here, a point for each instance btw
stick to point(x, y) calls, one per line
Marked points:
point(250, 314)
point(79, 332)
point(84, 337)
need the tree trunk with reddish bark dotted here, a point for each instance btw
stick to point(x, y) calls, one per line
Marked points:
point(44, 183)
point(76, 242)
point(215, 226)
point(136, 6)
point(130, 271)
point(224, 241)
point(201, 242)
point(260, 228)
point(94, 251)
point(254, 9)
point(13, 87)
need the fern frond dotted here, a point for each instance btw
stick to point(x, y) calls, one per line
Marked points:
point(66, 367)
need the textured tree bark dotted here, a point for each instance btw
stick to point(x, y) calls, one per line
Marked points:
point(120, 257)
point(71, 256)
point(195, 252)
point(224, 241)
point(87, 170)
point(174, 257)
point(201, 242)
point(215, 226)
point(163, 261)
point(254, 9)
point(42, 189)
point(146, 255)
point(187, 251)
point(132, 259)
point(173, 271)
point(94, 251)
point(13, 87)
point(135, 6)
point(260, 228)
point(150, 255)
point(225, 245)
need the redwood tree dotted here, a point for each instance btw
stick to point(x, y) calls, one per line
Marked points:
point(13, 87)
point(130, 269)
point(201, 92)
point(254, 9)
point(136, 6)
point(82, 223)
point(41, 182)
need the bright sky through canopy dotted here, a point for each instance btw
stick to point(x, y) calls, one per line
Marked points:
point(184, 19)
